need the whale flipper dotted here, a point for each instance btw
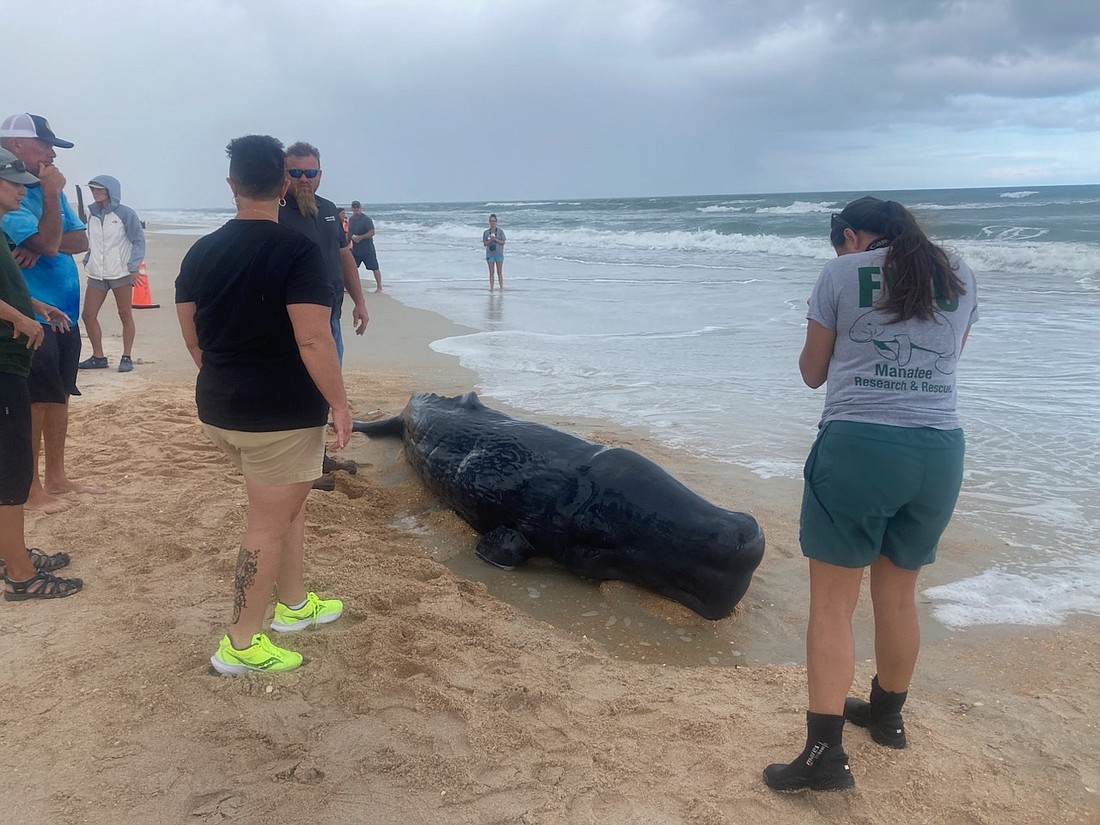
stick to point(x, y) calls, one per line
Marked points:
point(394, 426)
point(504, 547)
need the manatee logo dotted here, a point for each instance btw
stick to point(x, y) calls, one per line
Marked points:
point(875, 327)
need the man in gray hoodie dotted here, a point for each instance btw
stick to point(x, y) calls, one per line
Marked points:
point(116, 249)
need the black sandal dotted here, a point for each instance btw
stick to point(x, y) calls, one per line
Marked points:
point(42, 586)
point(48, 562)
point(43, 562)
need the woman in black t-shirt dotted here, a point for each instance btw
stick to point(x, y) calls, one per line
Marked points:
point(254, 302)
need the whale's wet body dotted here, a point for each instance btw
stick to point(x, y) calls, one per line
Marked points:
point(602, 512)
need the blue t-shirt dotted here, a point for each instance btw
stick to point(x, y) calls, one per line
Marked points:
point(54, 280)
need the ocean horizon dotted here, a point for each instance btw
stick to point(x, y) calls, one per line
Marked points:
point(670, 313)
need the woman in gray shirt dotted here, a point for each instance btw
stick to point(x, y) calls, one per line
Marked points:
point(888, 319)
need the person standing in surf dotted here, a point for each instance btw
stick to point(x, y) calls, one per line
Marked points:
point(493, 240)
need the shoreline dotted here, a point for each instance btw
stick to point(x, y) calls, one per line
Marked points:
point(449, 695)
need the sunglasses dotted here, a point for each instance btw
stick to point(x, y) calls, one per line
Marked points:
point(309, 173)
point(837, 222)
point(14, 166)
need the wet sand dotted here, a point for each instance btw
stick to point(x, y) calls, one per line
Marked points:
point(455, 692)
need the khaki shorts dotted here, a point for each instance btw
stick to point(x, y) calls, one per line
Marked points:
point(276, 458)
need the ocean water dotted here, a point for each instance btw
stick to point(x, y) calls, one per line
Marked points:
point(685, 316)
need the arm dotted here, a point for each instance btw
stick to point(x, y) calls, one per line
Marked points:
point(313, 333)
point(354, 288)
point(48, 239)
point(136, 236)
point(365, 236)
point(54, 316)
point(813, 363)
point(963, 345)
point(74, 242)
point(22, 325)
point(186, 314)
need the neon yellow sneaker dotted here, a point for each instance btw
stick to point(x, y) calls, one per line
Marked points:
point(314, 612)
point(261, 656)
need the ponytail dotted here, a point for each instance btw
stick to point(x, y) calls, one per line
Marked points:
point(917, 271)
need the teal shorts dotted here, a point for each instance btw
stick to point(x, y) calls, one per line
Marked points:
point(873, 489)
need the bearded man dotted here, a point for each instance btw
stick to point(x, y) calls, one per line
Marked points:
point(317, 219)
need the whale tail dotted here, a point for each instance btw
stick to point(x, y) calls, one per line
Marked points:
point(381, 428)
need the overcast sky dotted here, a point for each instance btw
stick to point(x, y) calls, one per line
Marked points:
point(440, 100)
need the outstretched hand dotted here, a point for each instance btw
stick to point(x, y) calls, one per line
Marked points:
point(57, 319)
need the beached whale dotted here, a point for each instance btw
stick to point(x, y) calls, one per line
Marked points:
point(602, 512)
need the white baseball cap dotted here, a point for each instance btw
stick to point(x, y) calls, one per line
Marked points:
point(25, 125)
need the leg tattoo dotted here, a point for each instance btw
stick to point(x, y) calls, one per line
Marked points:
point(246, 576)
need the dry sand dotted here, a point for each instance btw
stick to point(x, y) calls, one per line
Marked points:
point(445, 697)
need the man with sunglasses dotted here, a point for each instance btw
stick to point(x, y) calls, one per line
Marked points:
point(317, 219)
point(44, 233)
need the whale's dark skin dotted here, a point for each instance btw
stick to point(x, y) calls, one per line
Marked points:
point(602, 512)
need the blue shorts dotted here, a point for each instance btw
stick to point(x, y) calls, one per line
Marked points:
point(874, 490)
point(54, 365)
point(498, 259)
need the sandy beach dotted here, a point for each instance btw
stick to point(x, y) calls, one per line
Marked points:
point(452, 692)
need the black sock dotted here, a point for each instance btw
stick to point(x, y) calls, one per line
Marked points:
point(885, 702)
point(823, 731)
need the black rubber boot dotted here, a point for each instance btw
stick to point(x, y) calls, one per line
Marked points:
point(881, 716)
point(822, 766)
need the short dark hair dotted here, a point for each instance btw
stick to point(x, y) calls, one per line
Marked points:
point(493, 217)
point(301, 149)
point(257, 165)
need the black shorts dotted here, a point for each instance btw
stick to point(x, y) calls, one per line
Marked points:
point(54, 366)
point(366, 257)
point(16, 458)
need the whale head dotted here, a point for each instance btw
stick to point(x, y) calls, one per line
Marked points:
point(640, 524)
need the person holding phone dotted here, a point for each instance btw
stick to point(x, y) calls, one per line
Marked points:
point(493, 240)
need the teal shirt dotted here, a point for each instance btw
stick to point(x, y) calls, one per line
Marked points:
point(15, 358)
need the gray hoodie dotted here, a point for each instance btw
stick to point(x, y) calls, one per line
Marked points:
point(116, 241)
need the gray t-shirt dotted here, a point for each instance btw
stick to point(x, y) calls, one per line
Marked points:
point(901, 374)
point(498, 252)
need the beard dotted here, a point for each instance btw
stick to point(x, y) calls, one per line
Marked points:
point(307, 201)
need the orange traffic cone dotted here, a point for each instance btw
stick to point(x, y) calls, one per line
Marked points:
point(143, 298)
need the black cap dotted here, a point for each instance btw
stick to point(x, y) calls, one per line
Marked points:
point(356, 205)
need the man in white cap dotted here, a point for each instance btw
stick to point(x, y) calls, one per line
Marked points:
point(45, 233)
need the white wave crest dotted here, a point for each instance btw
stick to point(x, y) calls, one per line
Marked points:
point(1000, 597)
point(800, 208)
point(1026, 193)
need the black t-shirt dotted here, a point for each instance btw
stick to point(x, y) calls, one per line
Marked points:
point(15, 358)
point(327, 231)
point(241, 279)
